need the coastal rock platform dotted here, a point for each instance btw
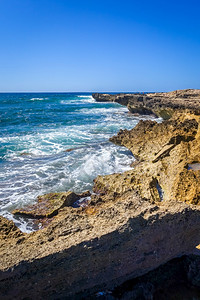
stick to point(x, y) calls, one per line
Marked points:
point(160, 104)
point(135, 222)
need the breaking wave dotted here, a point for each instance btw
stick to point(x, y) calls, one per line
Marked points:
point(35, 136)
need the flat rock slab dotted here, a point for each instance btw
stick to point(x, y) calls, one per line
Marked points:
point(48, 205)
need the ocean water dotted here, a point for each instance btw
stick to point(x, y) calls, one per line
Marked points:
point(37, 129)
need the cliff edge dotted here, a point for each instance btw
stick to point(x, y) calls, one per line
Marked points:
point(160, 104)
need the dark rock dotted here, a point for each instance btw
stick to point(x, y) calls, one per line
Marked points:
point(25, 154)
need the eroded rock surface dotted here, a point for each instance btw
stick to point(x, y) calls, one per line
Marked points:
point(48, 205)
point(80, 253)
point(8, 230)
point(160, 104)
point(135, 221)
point(164, 152)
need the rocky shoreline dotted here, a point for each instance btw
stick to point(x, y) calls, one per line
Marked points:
point(160, 104)
point(134, 222)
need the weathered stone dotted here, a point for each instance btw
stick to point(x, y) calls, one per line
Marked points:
point(8, 230)
point(48, 205)
point(80, 253)
point(164, 152)
point(137, 221)
point(160, 104)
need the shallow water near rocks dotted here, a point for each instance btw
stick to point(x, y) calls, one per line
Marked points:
point(51, 142)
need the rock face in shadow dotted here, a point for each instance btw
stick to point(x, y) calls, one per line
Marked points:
point(177, 279)
point(160, 104)
point(135, 222)
point(79, 254)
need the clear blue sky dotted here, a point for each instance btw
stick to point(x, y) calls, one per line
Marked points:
point(60, 45)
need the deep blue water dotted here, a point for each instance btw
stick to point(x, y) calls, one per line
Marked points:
point(35, 131)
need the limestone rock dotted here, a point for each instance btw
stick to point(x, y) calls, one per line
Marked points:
point(164, 152)
point(136, 221)
point(160, 104)
point(8, 230)
point(48, 205)
point(79, 253)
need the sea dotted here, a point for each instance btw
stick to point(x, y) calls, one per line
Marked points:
point(53, 142)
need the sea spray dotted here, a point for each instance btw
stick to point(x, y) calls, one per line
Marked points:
point(37, 130)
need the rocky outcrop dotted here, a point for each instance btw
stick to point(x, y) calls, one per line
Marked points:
point(135, 221)
point(164, 152)
point(160, 104)
point(9, 230)
point(49, 205)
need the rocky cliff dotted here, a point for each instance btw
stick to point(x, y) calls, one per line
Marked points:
point(135, 221)
point(160, 104)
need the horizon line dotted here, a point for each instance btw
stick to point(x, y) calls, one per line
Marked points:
point(73, 92)
point(93, 92)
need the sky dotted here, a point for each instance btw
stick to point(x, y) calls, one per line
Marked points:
point(103, 46)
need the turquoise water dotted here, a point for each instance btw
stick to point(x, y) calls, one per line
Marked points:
point(36, 129)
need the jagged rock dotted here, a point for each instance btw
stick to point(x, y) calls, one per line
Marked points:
point(8, 230)
point(160, 104)
point(164, 152)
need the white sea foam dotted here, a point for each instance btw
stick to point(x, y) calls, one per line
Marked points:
point(39, 99)
point(85, 96)
point(103, 110)
point(55, 140)
point(46, 167)
point(74, 170)
point(67, 102)
point(25, 225)
point(80, 100)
